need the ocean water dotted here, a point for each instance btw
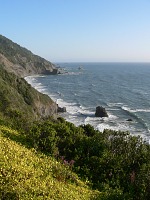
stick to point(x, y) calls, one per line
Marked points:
point(122, 88)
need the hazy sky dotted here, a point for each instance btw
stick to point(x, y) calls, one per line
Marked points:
point(79, 30)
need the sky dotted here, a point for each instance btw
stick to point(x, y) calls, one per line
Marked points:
point(79, 30)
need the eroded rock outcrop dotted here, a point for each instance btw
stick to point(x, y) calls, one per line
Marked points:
point(100, 112)
point(61, 109)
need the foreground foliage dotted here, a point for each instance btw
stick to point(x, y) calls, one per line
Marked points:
point(111, 161)
point(27, 174)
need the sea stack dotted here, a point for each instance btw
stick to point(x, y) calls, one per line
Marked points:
point(100, 112)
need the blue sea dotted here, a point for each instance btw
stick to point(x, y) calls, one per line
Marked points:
point(123, 89)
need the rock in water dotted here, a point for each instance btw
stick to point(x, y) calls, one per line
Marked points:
point(129, 120)
point(63, 109)
point(100, 112)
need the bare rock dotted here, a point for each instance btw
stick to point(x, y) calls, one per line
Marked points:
point(100, 112)
point(61, 109)
point(129, 120)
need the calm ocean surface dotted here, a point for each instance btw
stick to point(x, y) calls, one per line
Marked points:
point(122, 88)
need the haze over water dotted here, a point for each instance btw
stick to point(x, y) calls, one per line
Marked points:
point(122, 88)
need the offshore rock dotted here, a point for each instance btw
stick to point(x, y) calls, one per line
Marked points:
point(129, 120)
point(61, 109)
point(100, 112)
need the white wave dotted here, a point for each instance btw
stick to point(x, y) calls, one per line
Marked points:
point(141, 110)
point(121, 127)
point(114, 104)
point(111, 116)
point(87, 112)
point(126, 108)
point(124, 126)
point(37, 85)
point(71, 73)
point(71, 108)
point(135, 110)
point(30, 80)
point(113, 109)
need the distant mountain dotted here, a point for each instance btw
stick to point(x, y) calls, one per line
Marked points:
point(21, 61)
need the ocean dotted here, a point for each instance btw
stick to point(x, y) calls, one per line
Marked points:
point(123, 89)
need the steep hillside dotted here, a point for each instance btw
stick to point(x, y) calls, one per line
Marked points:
point(21, 61)
point(27, 174)
point(17, 97)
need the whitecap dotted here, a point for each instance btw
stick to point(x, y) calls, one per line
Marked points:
point(134, 110)
point(114, 104)
point(141, 110)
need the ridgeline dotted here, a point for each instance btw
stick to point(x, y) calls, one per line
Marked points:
point(45, 157)
point(21, 61)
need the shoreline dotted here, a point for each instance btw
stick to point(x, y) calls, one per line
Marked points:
point(74, 115)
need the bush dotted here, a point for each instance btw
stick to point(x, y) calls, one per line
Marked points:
point(44, 138)
point(111, 158)
point(116, 163)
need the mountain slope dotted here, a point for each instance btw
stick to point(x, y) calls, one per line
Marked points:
point(21, 61)
point(17, 96)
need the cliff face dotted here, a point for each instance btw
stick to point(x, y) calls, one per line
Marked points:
point(15, 93)
point(21, 61)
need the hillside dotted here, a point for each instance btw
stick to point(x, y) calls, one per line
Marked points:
point(41, 156)
point(17, 97)
point(21, 61)
point(27, 174)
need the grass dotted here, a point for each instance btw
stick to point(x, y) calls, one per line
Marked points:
point(27, 174)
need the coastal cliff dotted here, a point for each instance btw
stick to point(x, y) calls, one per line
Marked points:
point(16, 95)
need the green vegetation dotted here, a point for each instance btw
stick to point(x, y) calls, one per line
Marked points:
point(27, 174)
point(12, 51)
point(115, 163)
point(21, 61)
point(15, 53)
point(42, 157)
point(110, 161)
point(19, 99)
